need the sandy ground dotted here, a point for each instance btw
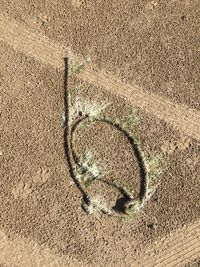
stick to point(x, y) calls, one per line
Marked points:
point(144, 56)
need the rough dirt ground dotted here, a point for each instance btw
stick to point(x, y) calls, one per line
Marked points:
point(144, 55)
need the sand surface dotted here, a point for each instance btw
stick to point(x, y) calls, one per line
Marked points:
point(144, 57)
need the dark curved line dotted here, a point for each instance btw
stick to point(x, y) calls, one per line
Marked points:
point(70, 153)
point(134, 146)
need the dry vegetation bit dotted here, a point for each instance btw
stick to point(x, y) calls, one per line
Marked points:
point(77, 65)
point(85, 107)
point(131, 120)
point(97, 206)
point(87, 170)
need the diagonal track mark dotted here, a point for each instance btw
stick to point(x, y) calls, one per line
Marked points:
point(175, 242)
point(180, 117)
point(41, 48)
point(175, 250)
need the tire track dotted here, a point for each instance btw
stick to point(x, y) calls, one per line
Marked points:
point(182, 247)
point(18, 251)
point(176, 250)
point(193, 257)
point(180, 117)
point(41, 48)
point(30, 43)
point(184, 258)
point(173, 242)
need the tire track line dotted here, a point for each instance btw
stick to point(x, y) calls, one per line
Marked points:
point(179, 246)
point(164, 255)
point(31, 43)
point(173, 242)
point(41, 48)
point(194, 256)
point(180, 252)
point(167, 261)
point(179, 117)
point(184, 258)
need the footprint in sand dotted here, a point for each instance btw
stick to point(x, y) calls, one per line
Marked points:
point(41, 176)
point(22, 190)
